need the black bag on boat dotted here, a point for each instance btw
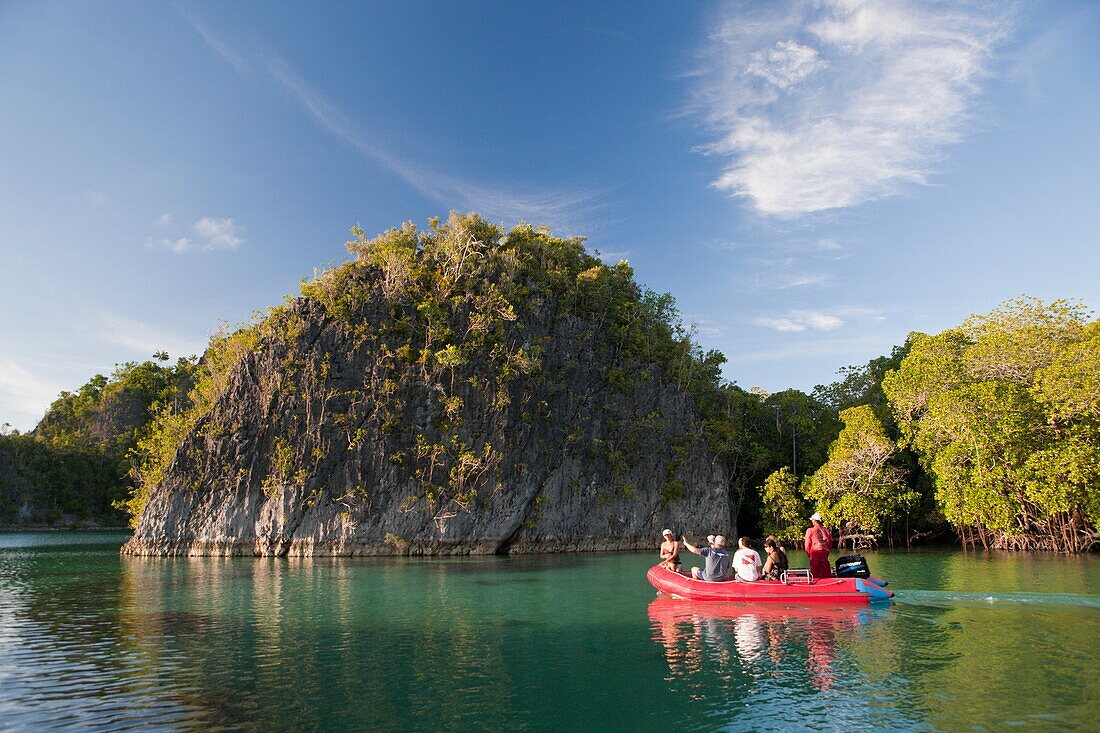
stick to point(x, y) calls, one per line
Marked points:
point(852, 566)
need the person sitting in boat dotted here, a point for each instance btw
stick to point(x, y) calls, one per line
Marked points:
point(717, 559)
point(776, 564)
point(670, 552)
point(818, 543)
point(746, 561)
point(778, 545)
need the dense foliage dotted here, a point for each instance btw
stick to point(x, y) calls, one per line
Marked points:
point(992, 428)
point(862, 483)
point(1004, 412)
point(784, 505)
point(42, 484)
point(75, 465)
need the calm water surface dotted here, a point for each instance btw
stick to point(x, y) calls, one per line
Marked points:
point(93, 641)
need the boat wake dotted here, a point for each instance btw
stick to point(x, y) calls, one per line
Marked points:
point(943, 598)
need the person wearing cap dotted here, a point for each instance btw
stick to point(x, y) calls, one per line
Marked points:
point(746, 561)
point(818, 543)
point(717, 559)
point(670, 551)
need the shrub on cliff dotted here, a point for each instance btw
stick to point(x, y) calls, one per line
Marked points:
point(455, 307)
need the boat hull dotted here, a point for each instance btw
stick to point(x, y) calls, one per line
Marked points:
point(824, 590)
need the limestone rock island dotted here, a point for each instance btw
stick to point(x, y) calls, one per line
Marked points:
point(452, 390)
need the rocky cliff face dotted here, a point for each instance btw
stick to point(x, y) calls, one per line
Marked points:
point(397, 411)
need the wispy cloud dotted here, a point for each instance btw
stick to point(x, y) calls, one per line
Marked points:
point(612, 256)
point(851, 350)
point(704, 326)
point(98, 198)
point(729, 245)
point(24, 395)
point(163, 220)
point(826, 105)
point(796, 321)
point(800, 320)
point(214, 42)
point(784, 279)
point(144, 339)
point(556, 208)
point(209, 234)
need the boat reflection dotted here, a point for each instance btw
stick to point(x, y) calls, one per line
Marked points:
point(736, 644)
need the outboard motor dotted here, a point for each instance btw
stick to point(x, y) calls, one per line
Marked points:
point(852, 566)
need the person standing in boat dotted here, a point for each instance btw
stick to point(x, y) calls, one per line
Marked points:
point(818, 543)
point(670, 552)
point(746, 561)
point(717, 560)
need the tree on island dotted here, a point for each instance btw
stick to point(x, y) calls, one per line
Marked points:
point(1005, 414)
point(861, 485)
point(784, 509)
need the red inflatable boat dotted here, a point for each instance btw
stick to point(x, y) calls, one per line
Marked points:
point(797, 588)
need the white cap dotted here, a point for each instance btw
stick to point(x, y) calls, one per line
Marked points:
point(815, 517)
point(666, 531)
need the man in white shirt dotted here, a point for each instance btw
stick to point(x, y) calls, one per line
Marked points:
point(746, 562)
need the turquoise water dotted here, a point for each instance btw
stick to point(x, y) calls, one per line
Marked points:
point(90, 640)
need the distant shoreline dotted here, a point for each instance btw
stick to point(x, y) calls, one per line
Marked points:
point(61, 528)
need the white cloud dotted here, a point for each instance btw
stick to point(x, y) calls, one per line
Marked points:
point(786, 64)
point(210, 234)
point(826, 105)
point(785, 325)
point(799, 320)
point(174, 245)
point(796, 321)
point(218, 233)
point(163, 220)
point(24, 395)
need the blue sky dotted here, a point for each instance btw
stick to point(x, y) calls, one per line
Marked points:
point(810, 181)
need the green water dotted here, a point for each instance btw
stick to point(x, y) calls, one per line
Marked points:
point(93, 641)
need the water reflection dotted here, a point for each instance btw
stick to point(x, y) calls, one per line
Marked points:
point(92, 641)
point(329, 634)
point(746, 651)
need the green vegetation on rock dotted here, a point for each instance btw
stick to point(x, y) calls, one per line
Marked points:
point(75, 465)
point(457, 363)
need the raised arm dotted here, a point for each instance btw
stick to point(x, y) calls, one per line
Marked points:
point(688, 546)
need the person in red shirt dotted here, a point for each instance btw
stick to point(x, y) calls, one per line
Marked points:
point(818, 544)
